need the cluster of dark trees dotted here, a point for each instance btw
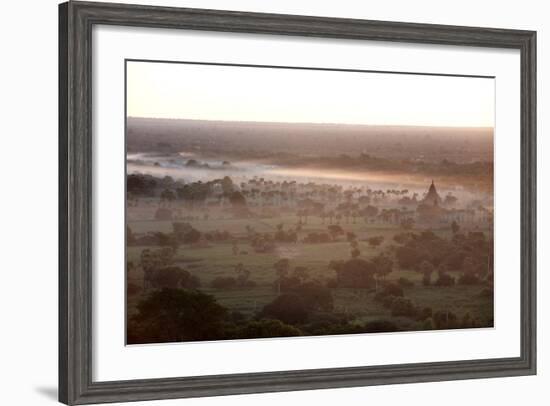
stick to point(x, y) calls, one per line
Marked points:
point(262, 243)
point(156, 258)
point(265, 242)
point(360, 273)
point(159, 271)
point(144, 185)
point(392, 296)
point(172, 315)
point(470, 254)
point(297, 286)
point(242, 280)
point(169, 277)
point(334, 231)
point(282, 235)
point(190, 194)
point(175, 315)
point(183, 233)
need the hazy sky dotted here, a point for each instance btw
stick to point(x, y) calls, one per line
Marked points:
point(170, 90)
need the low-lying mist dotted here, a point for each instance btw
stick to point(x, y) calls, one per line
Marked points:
point(189, 167)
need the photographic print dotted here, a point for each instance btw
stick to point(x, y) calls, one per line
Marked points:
point(266, 201)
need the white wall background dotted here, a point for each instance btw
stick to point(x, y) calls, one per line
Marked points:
point(28, 204)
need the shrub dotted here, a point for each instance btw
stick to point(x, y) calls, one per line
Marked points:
point(408, 257)
point(267, 328)
point(380, 326)
point(236, 316)
point(288, 308)
point(192, 236)
point(171, 277)
point(468, 279)
point(328, 323)
point(335, 230)
point(428, 324)
point(402, 307)
point(390, 289)
point(445, 320)
point(354, 273)
point(469, 322)
point(423, 314)
point(189, 281)
point(185, 233)
point(387, 301)
point(165, 239)
point(401, 238)
point(445, 280)
point(375, 241)
point(314, 295)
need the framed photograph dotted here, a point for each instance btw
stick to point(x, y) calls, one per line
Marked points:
point(259, 202)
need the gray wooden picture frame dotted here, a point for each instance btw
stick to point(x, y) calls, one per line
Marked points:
point(76, 20)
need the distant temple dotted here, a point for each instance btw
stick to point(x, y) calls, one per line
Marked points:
point(432, 198)
point(429, 210)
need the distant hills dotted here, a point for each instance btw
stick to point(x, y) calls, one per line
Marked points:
point(257, 140)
